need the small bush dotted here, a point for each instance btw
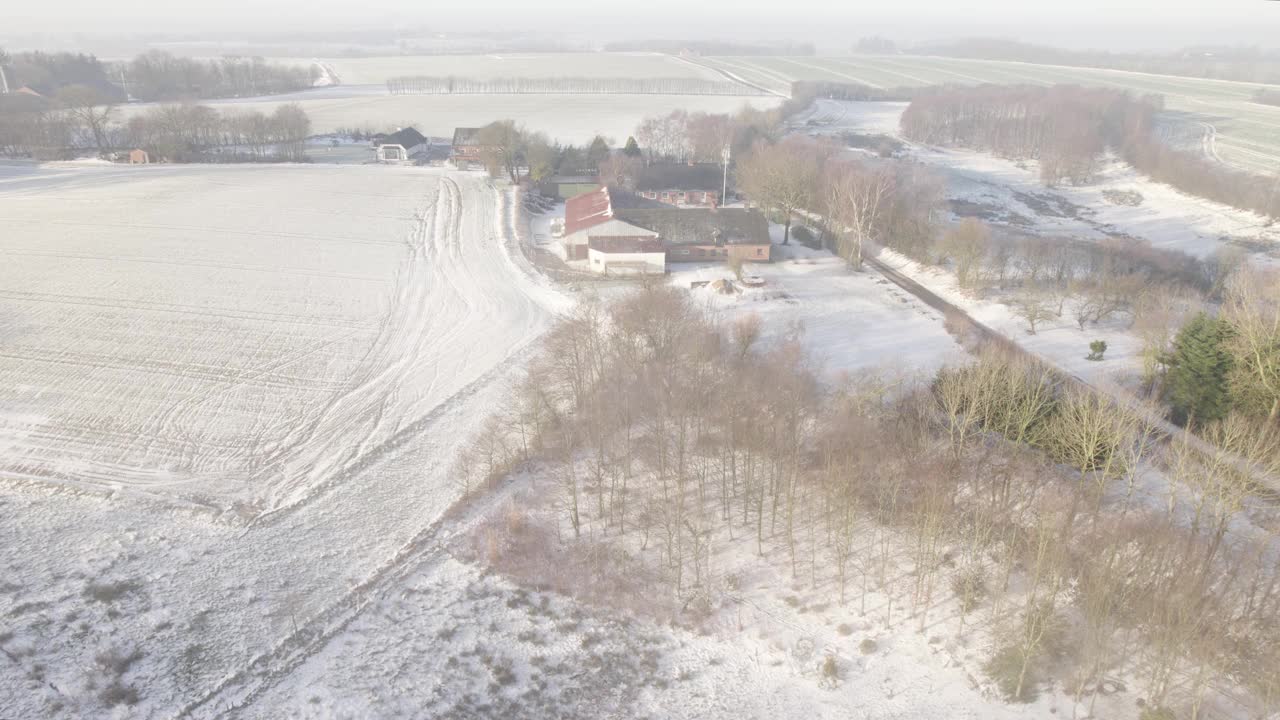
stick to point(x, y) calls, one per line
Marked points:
point(1129, 198)
point(1157, 713)
point(868, 646)
point(1096, 350)
point(804, 236)
point(844, 629)
point(970, 587)
point(1003, 668)
point(829, 672)
point(109, 592)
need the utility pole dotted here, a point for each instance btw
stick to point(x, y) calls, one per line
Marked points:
point(724, 190)
point(4, 79)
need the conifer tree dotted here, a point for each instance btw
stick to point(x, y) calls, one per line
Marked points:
point(1198, 386)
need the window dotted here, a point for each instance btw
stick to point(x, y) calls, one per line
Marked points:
point(759, 252)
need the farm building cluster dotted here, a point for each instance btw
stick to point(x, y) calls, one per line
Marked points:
point(623, 233)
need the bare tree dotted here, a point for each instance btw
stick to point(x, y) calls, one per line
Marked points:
point(781, 177)
point(91, 109)
point(856, 197)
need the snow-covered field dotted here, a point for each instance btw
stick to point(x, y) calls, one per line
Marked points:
point(377, 70)
point(236, 337)
point(567, 118)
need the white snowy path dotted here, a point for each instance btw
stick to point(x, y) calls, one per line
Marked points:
point(365, 475)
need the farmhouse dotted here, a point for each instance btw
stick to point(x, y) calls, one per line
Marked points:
point(592, 214)
point(467, 151)
point(619, 233)
point(681, 184)
point(401, 145)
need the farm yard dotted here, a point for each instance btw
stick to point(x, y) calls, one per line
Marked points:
point(1225, 122)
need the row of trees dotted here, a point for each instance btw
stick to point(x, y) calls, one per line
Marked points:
point(997, 500)
point(681, 136)
point(159, 76)
point(1068, 128)
point(510, 150)
point(853, 202)
point(178, 133)
point(198, 133)
point(153, 76)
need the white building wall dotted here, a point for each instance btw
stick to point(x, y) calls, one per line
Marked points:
point(653, 263)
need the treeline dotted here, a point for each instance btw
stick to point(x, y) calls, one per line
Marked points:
point(1068, 129)
point(198, 133)
point(566, 85)
point(1244, 64)
point(808, 90)
point(709, 47)
point(153, 76)
point(159, 76)
point(47, 73)
point(997, 500)
point(1267, 97)
point(174, 133)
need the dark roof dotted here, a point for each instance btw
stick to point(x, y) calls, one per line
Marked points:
point(408, 137)
point(465, 136)
point(677, 226)
point(680, 177)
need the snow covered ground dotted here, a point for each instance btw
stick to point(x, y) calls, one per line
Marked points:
point(848, 322)
point(1012, 193)
point(309, 346)
point(234, 337)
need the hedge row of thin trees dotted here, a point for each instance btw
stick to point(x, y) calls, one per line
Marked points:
point(996, 499)
point(1068, 128)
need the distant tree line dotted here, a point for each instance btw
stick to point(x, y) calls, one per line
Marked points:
point(79, 121)
point(157, 76)
point(153, 76)
point(1067, 129)
point(1230, 63)
point(1267, 97)
point(198, 133)
point(808, 90)
point(423, 85)
point(710, 47)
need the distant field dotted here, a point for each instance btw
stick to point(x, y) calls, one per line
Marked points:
point(376, 70)
point(1237, 131)
point(568, 118)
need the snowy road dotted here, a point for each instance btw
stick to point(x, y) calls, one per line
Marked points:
point(355, 478)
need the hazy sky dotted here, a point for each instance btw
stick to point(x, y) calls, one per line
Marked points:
point(1078, 23)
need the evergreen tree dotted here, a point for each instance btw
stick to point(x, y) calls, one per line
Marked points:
point(1198, 386)
point(632, 148)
